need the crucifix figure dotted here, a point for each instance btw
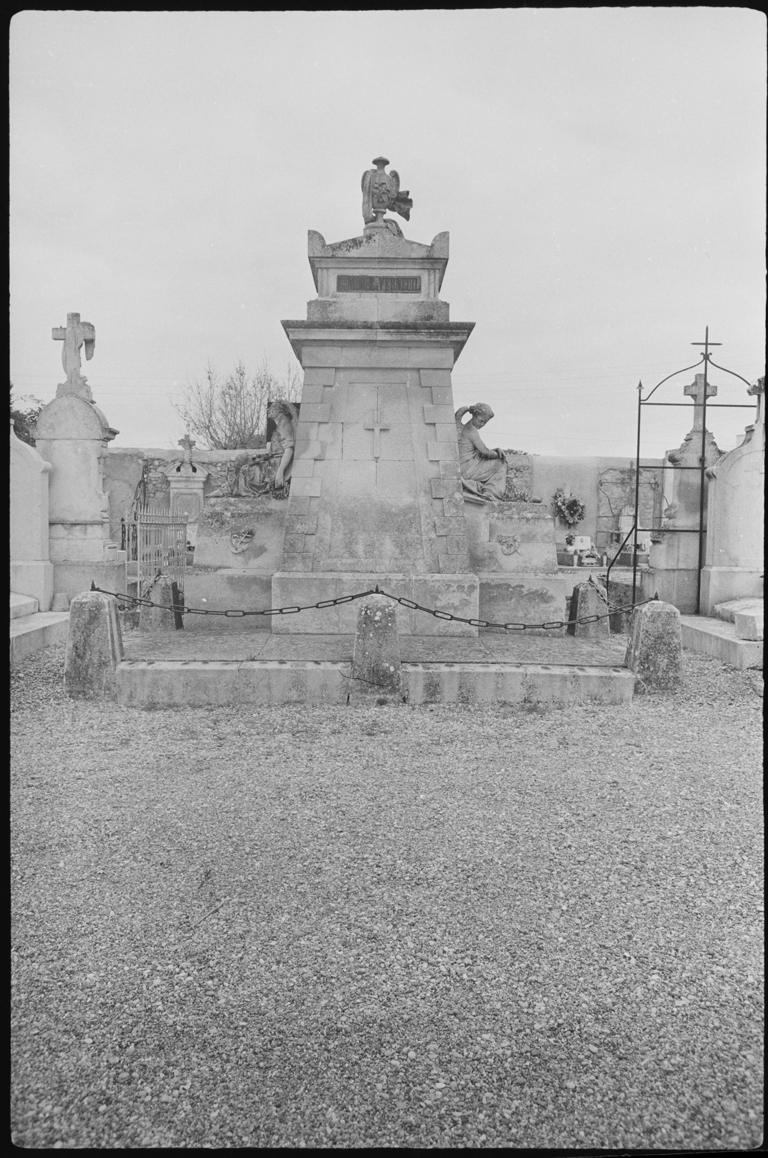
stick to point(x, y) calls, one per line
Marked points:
point(376, 427)
point(75, 335)
point(696, 390)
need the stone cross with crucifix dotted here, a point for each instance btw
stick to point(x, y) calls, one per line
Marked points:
point(186, 443)
point(75, 335)
point(696, 390)
point(377, 428)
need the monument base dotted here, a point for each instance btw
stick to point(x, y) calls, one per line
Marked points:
point(35, 579)
point(720, 584)
point(521, 598)
point(228, 589)
point(457, 594)
point(75, 578)
point(675, 587)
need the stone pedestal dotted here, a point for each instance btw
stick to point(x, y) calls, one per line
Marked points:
point(513, 552)
point(375, 486)
point(72, 434)
point(186, 481)
point(239, 548)
point(31, 568)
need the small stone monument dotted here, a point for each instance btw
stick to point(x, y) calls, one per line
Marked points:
point(72, 434)
point(187, 481)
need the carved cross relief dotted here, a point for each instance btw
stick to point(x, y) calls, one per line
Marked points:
point(377, 427)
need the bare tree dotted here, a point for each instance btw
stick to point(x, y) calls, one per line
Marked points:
point(231, 413)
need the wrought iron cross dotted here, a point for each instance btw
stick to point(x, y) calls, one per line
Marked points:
point(376, 427)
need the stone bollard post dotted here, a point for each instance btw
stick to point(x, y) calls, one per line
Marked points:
point(586, 600)
point(94, 646)
point(655, 648)
point(376, 660)
point(158, 617)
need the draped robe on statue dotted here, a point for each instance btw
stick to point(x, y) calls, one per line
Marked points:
point(482, 472)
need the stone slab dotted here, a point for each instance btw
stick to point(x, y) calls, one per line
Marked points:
point(22, 605)
point(707, 635)
point(727, 611)
point(32, 633)
point(34, 579)
point(241, 533)
point(749, 624)
point(196, 684)
point(510, 537)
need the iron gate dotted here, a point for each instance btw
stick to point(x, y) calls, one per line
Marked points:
point(161, 548)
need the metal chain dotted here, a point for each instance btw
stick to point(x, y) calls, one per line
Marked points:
point(151, 585)
point(553, 625)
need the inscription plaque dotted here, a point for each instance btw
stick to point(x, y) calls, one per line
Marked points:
point(363, 283)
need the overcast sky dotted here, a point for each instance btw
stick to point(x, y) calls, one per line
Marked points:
point(601, 173)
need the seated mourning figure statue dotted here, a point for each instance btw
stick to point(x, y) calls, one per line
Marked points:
point(483, 471)
point(267, 471)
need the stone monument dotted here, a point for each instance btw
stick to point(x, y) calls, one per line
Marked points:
point(734, 561)
point(187, 481)
point(72, 434)
point(377, 494)
point(674, 558)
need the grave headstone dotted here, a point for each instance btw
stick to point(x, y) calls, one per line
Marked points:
point(187, 481)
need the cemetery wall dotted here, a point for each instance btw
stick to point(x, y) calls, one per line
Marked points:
point(604, 484)
point(125, 466)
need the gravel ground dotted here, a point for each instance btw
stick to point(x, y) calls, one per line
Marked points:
point(388, 926)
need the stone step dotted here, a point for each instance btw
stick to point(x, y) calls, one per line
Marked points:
point(196, 683)
point(22, 605)
point(716, 637)
point(32, 633)
point(733, 607)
